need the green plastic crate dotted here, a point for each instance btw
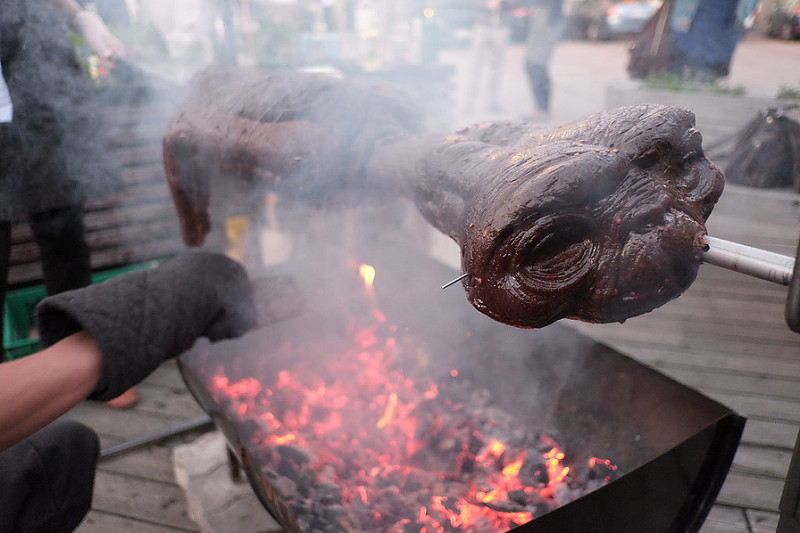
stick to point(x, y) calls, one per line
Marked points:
point(19, 336)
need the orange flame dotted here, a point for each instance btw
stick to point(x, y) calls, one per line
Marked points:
point(389, 412)
point(368, 273)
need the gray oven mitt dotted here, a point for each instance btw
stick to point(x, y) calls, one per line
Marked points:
point(141, 319)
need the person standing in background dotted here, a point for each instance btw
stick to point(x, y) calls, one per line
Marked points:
point(704, 35)
point(187, 27)
point(52, 153)
point(490, 40)
point(545, 28)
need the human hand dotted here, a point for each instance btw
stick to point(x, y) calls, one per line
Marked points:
point(99, 38)
point(141, 319)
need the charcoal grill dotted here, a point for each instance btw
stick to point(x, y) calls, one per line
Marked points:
point(672, 444)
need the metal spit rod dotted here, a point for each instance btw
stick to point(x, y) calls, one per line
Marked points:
point(754, 262)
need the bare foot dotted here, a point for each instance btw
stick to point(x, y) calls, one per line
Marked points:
point(126, 400)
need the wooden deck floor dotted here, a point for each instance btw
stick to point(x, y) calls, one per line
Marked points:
point(726, 337)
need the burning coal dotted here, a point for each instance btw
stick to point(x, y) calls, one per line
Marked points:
point(355, 437)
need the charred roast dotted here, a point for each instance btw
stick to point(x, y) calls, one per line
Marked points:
point(598, 220)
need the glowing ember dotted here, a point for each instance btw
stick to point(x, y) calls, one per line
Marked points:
point(354, 444)
point(354, 434)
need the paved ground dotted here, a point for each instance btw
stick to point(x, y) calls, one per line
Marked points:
point(582, 71)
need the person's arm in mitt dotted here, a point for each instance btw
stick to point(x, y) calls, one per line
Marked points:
point(102, 339)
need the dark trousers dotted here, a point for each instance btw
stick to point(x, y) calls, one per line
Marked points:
point(46, 481)
point(540, 84)
point(65, 255)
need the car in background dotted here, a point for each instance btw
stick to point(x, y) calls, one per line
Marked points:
point(779, 18)
point(601, 20)
point(621, 19)
point(628, 18)
point(794, 25)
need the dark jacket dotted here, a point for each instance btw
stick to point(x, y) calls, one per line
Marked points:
point(53, 154)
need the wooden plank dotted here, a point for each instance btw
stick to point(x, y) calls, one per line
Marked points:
point(152, 173)
point(140, 133)
point(762, 461)
point(142, 112)
point(105, 237)
point(748, 203)
point(768, 386)
point(706, 358)
point(127, 236)
point(666, 341)
point(757, 235)
point(142, 499)
point(770, 433)
point(179, 403)
point(102, 522)
point(140, 201)
point(167, 375)
point(703, 316)
point(762, 521)
point(133, 215)
point(685, 335)
point(763, 408)
point(142, 251)
point(752, 492)
point(139, 155)
point(722, 519)
point(781, 361)
point(155, 461)
point(714, 283)
point(115, 425)
point(133, 195)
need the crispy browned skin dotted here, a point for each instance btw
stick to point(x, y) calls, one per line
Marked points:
point(599, 220)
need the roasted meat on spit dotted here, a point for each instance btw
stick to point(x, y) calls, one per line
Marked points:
point(599, 220)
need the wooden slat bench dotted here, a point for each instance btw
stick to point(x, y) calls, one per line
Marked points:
point(137, 224)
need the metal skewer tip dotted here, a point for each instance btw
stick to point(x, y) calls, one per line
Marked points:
point(459, 278)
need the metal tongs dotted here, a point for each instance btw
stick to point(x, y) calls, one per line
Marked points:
point(761, 264)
